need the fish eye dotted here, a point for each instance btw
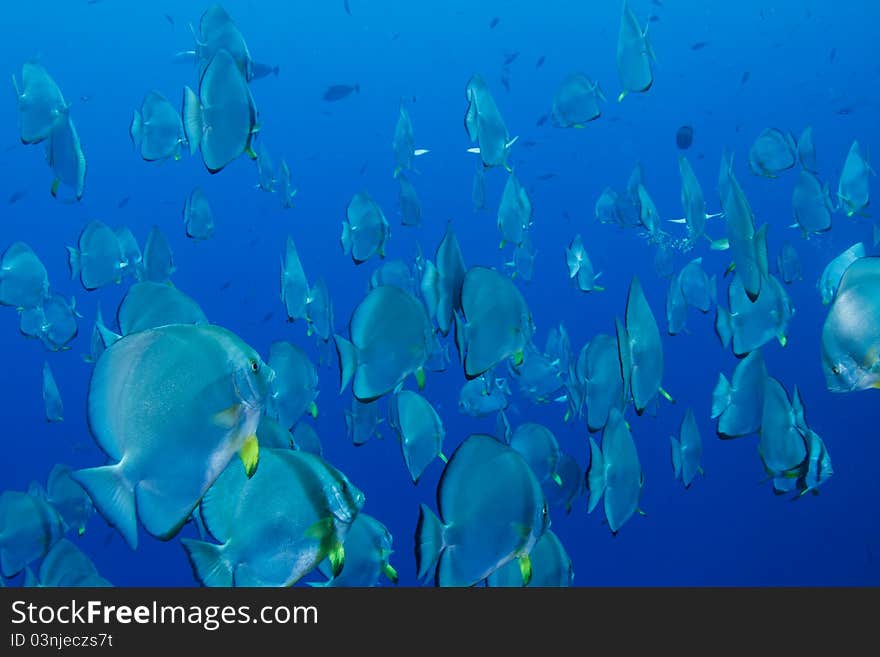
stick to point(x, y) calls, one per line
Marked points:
point(836, 370)
point(255, 366)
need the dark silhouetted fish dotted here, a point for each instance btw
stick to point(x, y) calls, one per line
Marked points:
point(339, 91)
point(493, 23)
point(263, 70)
point(505, 80)
point(546, 176)
point(347, 7)
point(169, 19)
point(684, 137)
point(542, 120)
point(17, 195)
point(123, 202)
point(510, 58)
point(540, 61)
point(745, 77)
point(699, 45)
point(832, 55)
point(654, 19)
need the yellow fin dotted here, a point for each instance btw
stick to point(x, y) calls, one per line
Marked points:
point(525, 569)
point(518, 358)
point(313, 410)
point(250, 455)
point(390, 573)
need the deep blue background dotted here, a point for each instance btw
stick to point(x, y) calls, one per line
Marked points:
point(728, 528)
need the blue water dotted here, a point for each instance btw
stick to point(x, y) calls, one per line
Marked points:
point(728, 528)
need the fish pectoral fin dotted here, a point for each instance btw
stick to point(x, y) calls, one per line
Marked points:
point(250, 455)
point(313, 410)
point(557, 479)
point(420, 378)
point(228, 417)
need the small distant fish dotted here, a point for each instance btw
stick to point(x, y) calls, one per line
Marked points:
point(510, 58)
point(339, 91)
point(169, 19)
point(542, 120)
point(654, 18)
point(363, 169)
point(225, 286)
point(493, 23)
point(17, 195)
point(123, 202)
point(261, 70)
point(745, 77)
point(540, 61)
point(269, 315)
point(505, 81)
point(347, 7)
point(699, 45)
point(832, 55)
point(529, 143)
point(684, 137)
point(846, 110)
point(546, 176)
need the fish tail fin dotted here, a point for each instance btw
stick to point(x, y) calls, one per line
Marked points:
point(74, 262)
point(430, 541)
point(676, 457)
point(193, 121)
point(113, 496)
point(345, 238)
point(723, 327)
point(136, 129)
point(347, 353)
point(720, 396)
point(209, 562)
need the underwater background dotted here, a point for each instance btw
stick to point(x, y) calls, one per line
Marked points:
point(761, 64)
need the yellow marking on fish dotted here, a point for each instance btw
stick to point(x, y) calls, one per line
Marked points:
point(250, 455)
